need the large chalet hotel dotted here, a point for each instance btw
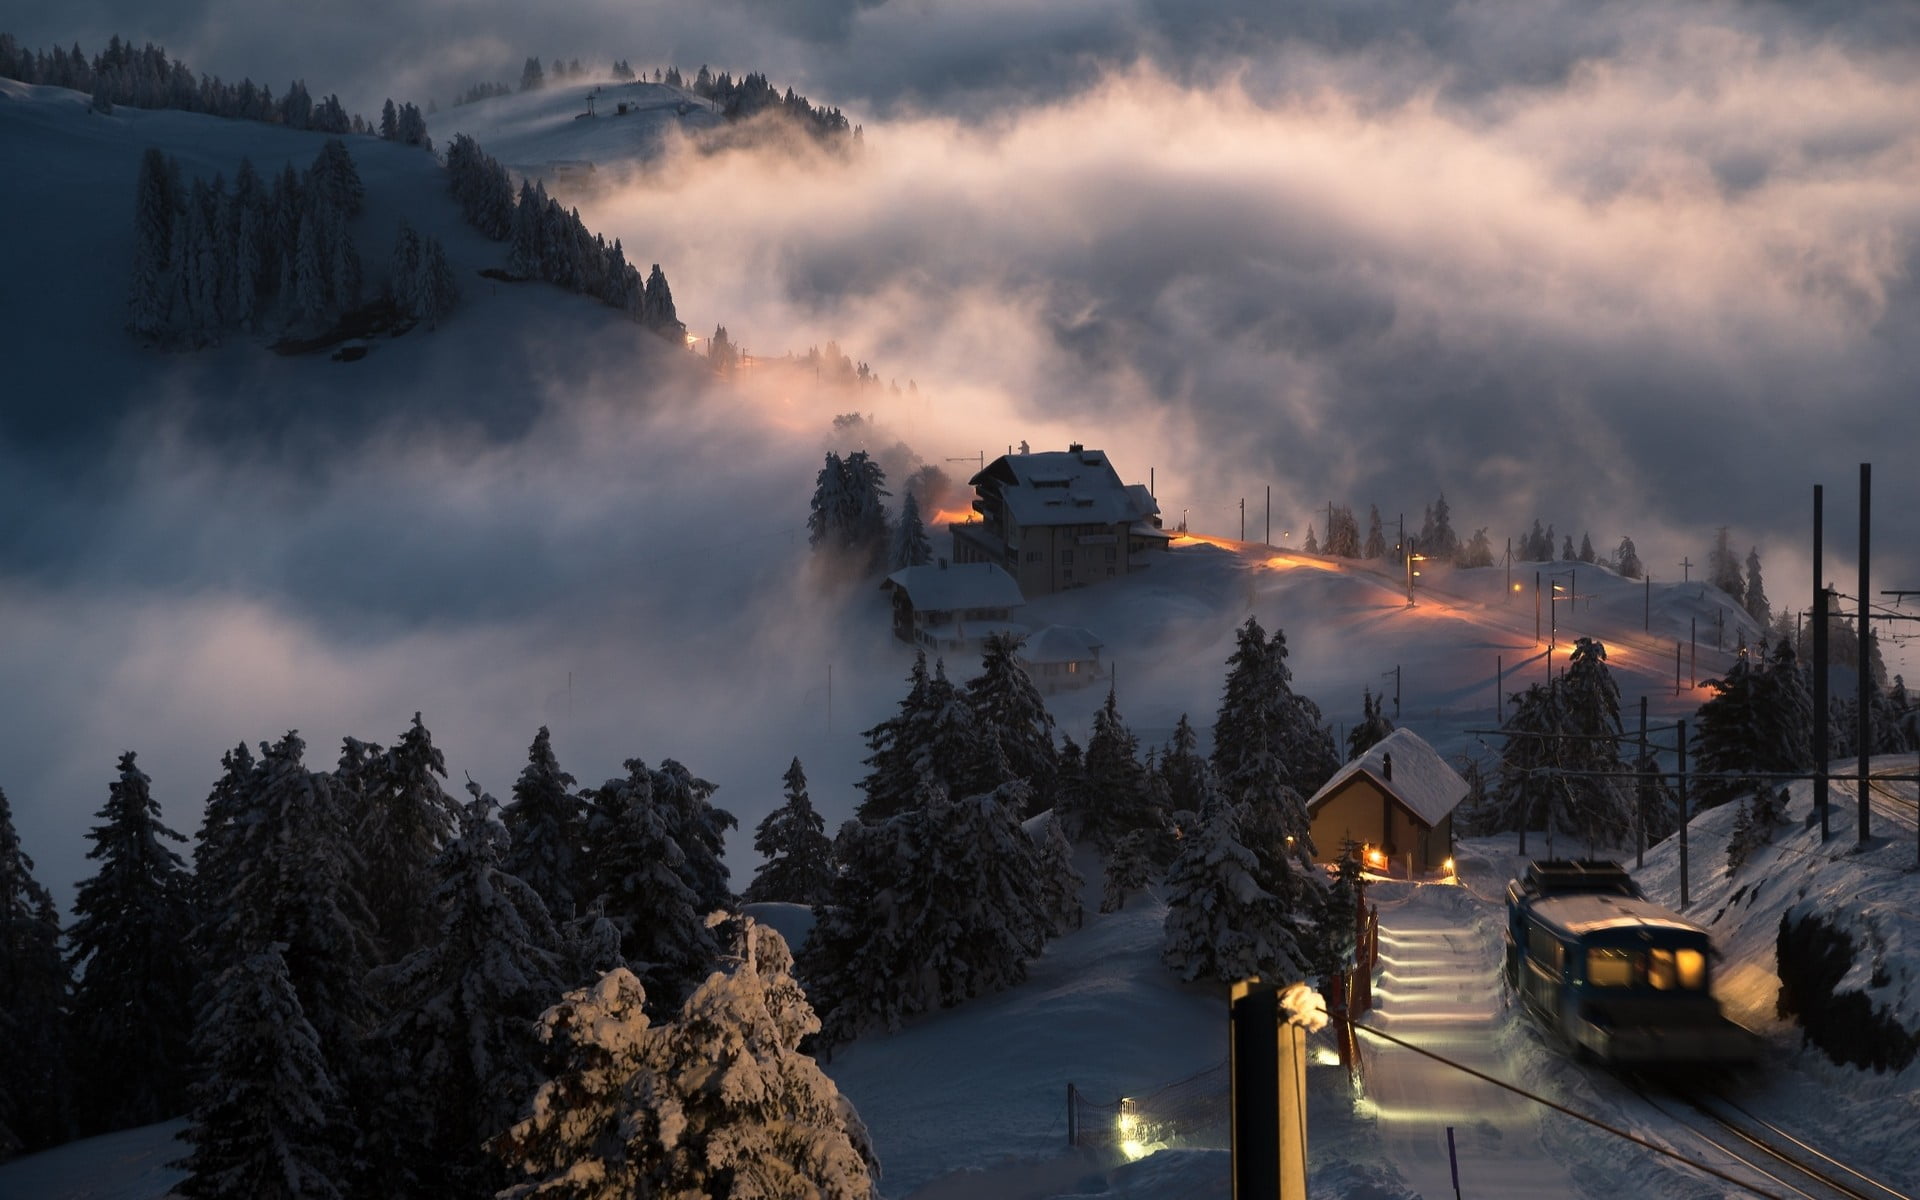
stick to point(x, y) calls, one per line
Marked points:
point(1057, 520)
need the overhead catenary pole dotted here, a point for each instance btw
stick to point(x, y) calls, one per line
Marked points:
point(1269, 514)
point(1822, 787)
point(1682, 791)
point(1863, 740)
point(1640, 810)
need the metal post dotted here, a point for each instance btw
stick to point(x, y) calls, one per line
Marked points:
point(1676, 666)
point(1822, 786)
point(1243, 518)
point(1253, 1036)
point(1693, 651)
point(1269, 514)
point(1536, 608)
point(1682, 790)
point(1863, 740)
point(1499, 670)
point(1640, 809)
point(1646, 622)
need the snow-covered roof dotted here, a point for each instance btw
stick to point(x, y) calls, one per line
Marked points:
point(1062, 644)
point(1422, 780)
point(950, 587)
point(1065, 487)
point(1588, 912)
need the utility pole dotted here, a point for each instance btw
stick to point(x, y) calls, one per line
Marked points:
point(1693, 651)
point(1243, 518)
point(1686, 571)
point(1640, 842)
point(1647, 620)
point(1499, 673)
point(1269, 514)
point(1822, 786)
point(1509, 589)
point(1683, 815)
point(1536, 608)
point(1863, 739)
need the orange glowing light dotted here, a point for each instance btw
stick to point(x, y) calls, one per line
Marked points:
point(954, 516)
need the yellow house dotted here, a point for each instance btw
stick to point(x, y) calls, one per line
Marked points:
point(1397, 800)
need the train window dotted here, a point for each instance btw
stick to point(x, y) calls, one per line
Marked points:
point(1677, 969)
point(1545, 950)
point(1613, 968)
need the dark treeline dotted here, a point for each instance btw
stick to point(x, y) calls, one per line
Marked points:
point(551, 243)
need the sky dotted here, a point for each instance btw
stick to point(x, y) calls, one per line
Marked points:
point(1636, 269)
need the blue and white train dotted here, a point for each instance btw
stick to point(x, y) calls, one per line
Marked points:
point(1619, 978)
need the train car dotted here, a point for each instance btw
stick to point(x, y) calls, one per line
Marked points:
point(1619, 978)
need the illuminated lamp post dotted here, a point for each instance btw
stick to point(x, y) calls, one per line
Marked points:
point(1412, 559)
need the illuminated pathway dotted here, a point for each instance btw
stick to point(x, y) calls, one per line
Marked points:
point(1439, 987)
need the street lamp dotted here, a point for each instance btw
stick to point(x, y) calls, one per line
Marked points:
point(1412, 559)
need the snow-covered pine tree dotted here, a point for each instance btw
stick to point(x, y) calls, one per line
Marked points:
point(1567, 553)
point(389, 120)
point(799, 855)
point(1597, 787)
point(293, 865)
point(1586, 548)
point(1376, 544)
point(1441, 541)
point(936, 905)
point(406, 819)
point(403, 271)
point(910, 546)
point(1627, 560)
point(1759, 719)
point(1755, 597)
point(1263, 728)
point(826, 512)
point(132, 1008)
point(1183, 770)
point(639, 871)
point(1526, 782)
point(411, 128)
point(890, 780)
point(437, 290)
point(268, 1122)
point(1723, 566)
point(334, 176)
point(156, 203)
point(546, 828)
point(1313, 544)
point(343, 258)
point(1478, 552)
point(656, 307)
point(1061, 884)
point(756, 1118)
point(1011, 715)
point(456, 1049)
point(245, 232)
point(1130, 867)
point(1116, 795)
point(867, 527)
point(700, 829)
point(35, 1087)
point(1372, 728)
point(947, 746)
point(1221, 924)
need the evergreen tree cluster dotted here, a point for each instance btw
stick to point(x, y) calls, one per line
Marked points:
point(206, 259)
point(146, 78)
point(405, 124)
point(482, 91)
point(551, 243)
point(1561, 766)
point(344, 993)
point(420, 281)
point(848, 514)
point(751, 95)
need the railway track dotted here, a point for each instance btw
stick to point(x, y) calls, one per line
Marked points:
point(1783, 1166)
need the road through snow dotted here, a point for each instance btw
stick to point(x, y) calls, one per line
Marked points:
point(1439, 988)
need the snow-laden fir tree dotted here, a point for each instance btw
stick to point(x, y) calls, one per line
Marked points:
point(1130, 867)
point(719, 1102)
point(1755, 597)
point(1759, 719)
point(910, 546)
point(947, 746)
point(1627, 560)
point(1586, 549)
point(656, 305)
point(1263, 728)
point(1761, 812)
point(1183, 770)
point(483, 188)
point(1012, 718)
point(639, 872)
point(700, 830)
point(889, 785)
point(936, 905)
point(132, 1008)
point(1723, 566)
point(334, 176)
point(1597, 785)
point(1567, 552)
point(35, 1088)
point(456, 1050)
point(293, 864)
point(157, 203)
point(1221, 924)
point(799, 854)
point(405, 819)
point(1376, 544)
point(1061, 884)
point(1373, 727)
point(1527, 784)
point(1478, 551)
point(546, 826)
point(1117, 795)
point(268, 1120)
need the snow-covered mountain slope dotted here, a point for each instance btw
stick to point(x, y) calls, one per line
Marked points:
point(577, 121)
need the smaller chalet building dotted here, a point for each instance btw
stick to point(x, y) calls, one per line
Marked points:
point(1397, 799)
point(1059, 519)
point(947, 607)
point(1062, 658)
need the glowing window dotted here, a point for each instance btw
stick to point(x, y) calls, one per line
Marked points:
point(1669, 969)
point(1611, 968)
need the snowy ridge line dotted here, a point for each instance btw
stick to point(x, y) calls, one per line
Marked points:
point(1615, 1130)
